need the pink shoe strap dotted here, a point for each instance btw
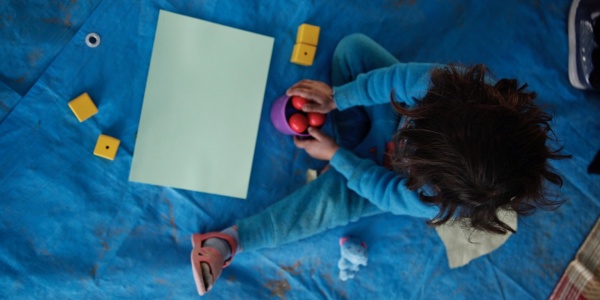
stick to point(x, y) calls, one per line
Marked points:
point(199, 239)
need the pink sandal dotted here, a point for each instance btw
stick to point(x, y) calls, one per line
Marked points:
point(210, 256)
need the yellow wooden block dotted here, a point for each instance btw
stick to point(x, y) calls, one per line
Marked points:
point(83, 107)
point(303, 54)
point(308, 34)
point(107, 147)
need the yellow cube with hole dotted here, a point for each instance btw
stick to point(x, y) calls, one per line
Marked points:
point(107, 147)
point(308, 34)
point(303, 54)
point(83, 107)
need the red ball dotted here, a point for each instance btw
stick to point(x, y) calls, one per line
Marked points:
point(316, 119)
point(298, 123)
point(298, 102)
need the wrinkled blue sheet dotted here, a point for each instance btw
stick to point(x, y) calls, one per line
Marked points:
point(72, 226)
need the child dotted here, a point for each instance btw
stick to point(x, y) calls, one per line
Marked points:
point(463, 148)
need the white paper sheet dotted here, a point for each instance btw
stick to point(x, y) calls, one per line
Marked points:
point(202, 106)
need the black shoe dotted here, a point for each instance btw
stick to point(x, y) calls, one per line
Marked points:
point(584, 37)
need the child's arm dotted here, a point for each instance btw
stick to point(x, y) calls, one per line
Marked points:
point(384, 188)
point(407, 80)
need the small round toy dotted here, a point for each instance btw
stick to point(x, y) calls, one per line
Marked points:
point(298, 102)
point(298, 122)
point(316, 119)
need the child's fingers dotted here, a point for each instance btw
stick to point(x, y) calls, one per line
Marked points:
point(316, 133)
point(301, 88)
point(298, 142)
point(299, 91)
point(314, 107)
point(302, 143)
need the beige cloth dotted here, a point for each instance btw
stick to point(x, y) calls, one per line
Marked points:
point(581, 279)
point(464, 244)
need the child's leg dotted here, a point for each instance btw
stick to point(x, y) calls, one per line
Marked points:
point(354, 55)
point(320, 205)
point(357, 54)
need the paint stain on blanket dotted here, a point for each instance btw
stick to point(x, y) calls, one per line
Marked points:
point(34, 56)
point(20, 79)
point(64, 10)
point(171, 217)
point(293, 270)
point(65, 22)
point(327, 278)
point(278, 287)
point(94, 271)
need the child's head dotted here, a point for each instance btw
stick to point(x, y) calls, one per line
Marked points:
point(479, 146)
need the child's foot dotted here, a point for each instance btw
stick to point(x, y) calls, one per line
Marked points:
point(212, 252)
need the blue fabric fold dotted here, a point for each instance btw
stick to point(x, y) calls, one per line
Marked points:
point(73, 226)
point(8, 100)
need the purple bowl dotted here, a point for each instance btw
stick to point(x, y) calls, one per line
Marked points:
point(281, 110)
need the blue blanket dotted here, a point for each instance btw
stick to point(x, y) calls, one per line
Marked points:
point(73, 226)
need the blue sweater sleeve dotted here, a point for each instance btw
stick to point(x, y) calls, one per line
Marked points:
point(407, 80)
point(384, 188)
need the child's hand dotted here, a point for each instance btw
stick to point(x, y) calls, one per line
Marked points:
point(323, 147)
point(319, 94)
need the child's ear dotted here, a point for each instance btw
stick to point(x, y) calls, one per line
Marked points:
point(343, 240)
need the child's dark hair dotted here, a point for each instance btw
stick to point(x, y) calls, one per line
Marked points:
point(479, 146)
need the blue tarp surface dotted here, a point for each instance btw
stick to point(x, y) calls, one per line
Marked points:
point(73, 227)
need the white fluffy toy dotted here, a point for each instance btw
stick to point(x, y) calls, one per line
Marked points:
point(354, 254)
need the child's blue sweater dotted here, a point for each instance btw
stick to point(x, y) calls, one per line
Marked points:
point(384, 188)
